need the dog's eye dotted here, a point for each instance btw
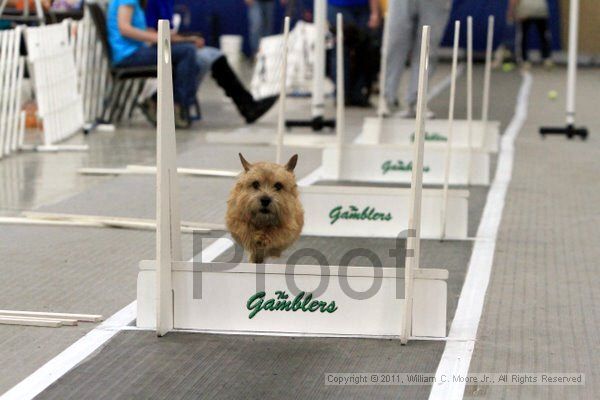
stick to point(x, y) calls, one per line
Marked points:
point(278, 186)
point(255, 184)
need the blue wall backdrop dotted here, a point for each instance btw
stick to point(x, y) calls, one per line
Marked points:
point(216, 17)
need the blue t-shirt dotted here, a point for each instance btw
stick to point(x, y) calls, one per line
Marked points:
point(349, 3)
point(159, 9)
point(121, 46)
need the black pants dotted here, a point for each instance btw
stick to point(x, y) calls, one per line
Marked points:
point(541, 24)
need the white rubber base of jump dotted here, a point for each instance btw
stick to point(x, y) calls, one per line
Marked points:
point(393, 163)
point(237, 298)
point(362, 211)
point(247, 135)
point(401, 131)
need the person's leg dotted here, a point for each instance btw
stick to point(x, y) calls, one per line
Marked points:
point(145, 56)
point(360, 85)
point(225, 77)
point(525, 24)
point(267, 11)
point(543, 31)
point(205, 57)
point(399, 45)
point(435, 14)
point(254, 25)
point(185, 73)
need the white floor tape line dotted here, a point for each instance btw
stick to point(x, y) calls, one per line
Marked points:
point(35, 383)
point(457, 354)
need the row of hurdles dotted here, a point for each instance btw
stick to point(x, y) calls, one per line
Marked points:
point(221, 297)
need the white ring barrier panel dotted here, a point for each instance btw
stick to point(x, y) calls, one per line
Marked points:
point(12, 66)
point(92, 67)
point(225, 298)
point(60, 105)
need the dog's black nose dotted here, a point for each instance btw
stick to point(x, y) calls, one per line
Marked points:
point(265, 201)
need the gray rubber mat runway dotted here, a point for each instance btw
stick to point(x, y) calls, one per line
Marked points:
point(541, 312)
point(202, 200)
point(137, 365)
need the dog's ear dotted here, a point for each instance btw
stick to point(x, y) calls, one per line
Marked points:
point(292, 163)
point(245, 163)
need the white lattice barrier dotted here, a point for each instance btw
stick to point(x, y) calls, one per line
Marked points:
point(12, 118)
point(92, 67)
point(52, 66)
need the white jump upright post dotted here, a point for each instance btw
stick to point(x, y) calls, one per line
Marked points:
point(450, 128)
point(282, 90)
point(382, 108)
point(318, 95)
point(168, 236)
point(318, 121)
point(414, 222)
point(485, 105)
point(470, 87)
point(570, 129)
point(340, 92)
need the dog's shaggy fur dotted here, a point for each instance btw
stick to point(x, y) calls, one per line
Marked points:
point(264, 213)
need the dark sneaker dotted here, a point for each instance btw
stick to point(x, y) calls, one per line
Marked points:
point(149, 108)
point(182, 117)
point(257, 109)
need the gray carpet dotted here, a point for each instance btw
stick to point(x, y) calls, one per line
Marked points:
point(137, 365)
point(90, 270)
point(541, 312)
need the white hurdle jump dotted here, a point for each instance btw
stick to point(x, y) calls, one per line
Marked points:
point(362, 211)
point(472, 142)
point(12, 118)
point(409, 302)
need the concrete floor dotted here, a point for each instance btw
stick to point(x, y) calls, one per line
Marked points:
point(101, 265)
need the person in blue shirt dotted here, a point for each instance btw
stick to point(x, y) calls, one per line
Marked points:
point(212, 59)
point(133, 45)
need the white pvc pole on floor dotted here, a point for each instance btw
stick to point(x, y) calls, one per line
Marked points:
point(382, 108)
point(485, 106)
point(416, 190)
point(340, 117)
point(318, 96)
point(282, 91)
point(572, 62)
point(469, 90)
point(450, 128)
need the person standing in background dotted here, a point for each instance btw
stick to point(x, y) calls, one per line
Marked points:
point(532, 13)
point(260, 21)
point(361, 22)
point(406, 18)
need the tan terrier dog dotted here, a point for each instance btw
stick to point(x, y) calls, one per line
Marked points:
point(264, 213)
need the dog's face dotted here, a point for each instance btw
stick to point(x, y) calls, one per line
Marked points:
point(265, 193)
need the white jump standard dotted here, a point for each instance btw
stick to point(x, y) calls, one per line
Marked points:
point(408, 303)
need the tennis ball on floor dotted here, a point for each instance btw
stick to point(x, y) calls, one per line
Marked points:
point(508, 67)
point(553, 95)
